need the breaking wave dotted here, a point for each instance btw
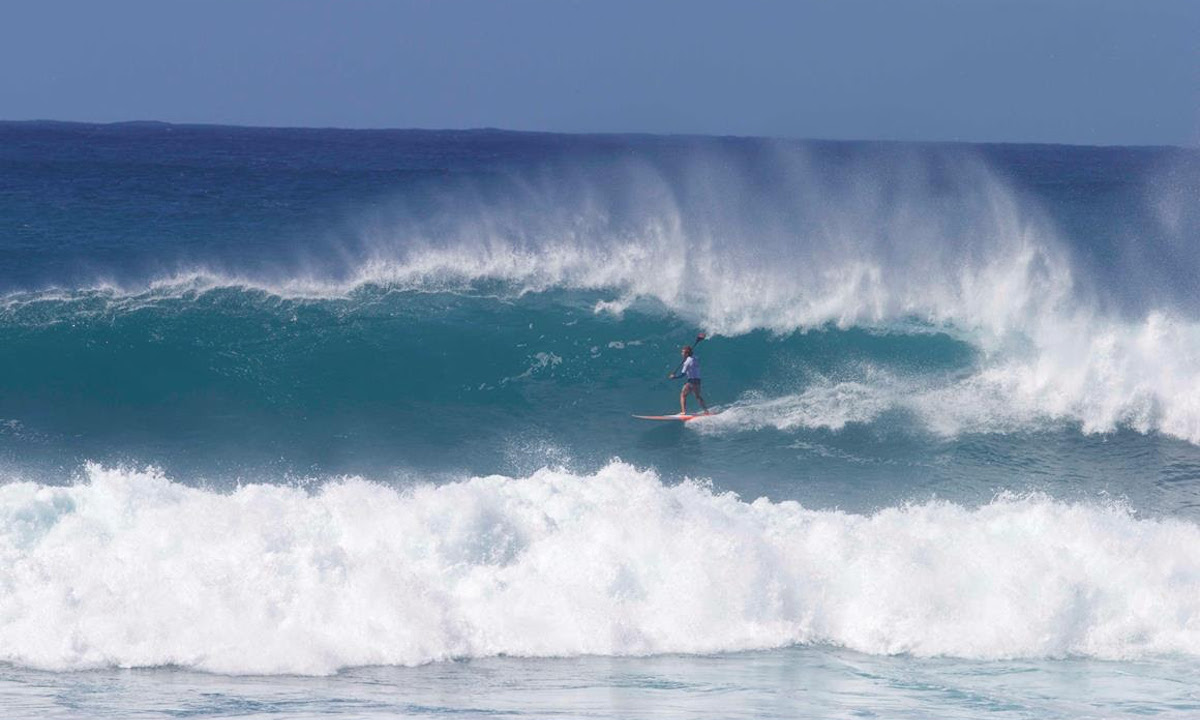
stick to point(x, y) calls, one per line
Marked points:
point(131, 569)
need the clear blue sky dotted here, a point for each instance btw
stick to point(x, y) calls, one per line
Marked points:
point(1073, 71)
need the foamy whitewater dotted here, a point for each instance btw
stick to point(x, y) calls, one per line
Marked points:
point(347, 416)
point(268, 579)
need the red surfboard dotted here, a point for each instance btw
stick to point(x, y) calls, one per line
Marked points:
point(680, 418)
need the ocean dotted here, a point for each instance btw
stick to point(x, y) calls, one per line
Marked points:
point(303, 422)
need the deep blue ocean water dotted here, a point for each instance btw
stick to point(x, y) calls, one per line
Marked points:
point(317, 421)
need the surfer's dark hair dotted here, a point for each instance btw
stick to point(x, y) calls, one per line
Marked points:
point(687, 349)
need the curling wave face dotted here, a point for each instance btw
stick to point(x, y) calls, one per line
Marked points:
point(1066, 270)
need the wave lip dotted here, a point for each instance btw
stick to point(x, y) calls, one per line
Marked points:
point(130, 569)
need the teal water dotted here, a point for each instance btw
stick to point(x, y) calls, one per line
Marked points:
point(304, 421)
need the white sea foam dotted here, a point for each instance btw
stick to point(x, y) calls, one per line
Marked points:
point(823, 404)
point(130, 569)
point(1097, 375)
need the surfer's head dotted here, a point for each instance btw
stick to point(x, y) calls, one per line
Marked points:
point(687, 351)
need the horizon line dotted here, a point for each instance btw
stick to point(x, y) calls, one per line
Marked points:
point(606, 133)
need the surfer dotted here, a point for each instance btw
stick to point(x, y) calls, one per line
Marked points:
point(690, 368)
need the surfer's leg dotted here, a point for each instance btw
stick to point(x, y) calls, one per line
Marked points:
point(683, 393)
point(694, 387)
